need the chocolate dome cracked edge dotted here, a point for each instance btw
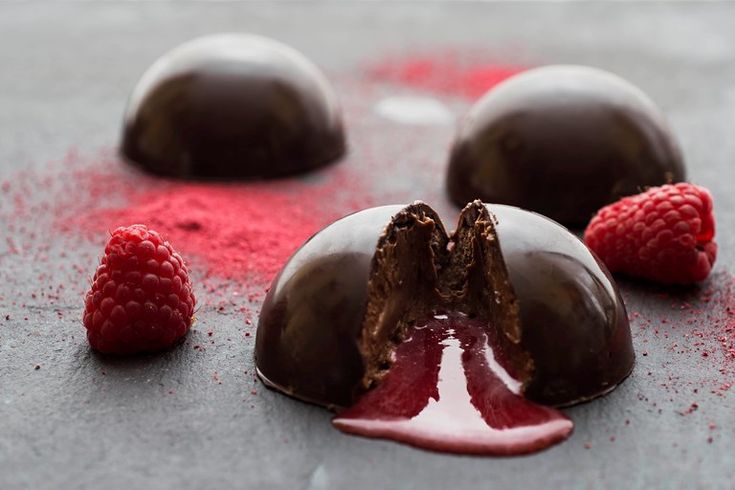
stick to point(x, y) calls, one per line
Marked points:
point(344, 300)
point(232, 106)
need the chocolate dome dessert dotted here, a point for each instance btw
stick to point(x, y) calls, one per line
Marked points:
point(232, 106)
point(445, 341)
point(562, 141)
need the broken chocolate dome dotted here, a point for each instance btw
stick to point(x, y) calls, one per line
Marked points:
point(348, 297)
point(232, 106)
point(562, 141)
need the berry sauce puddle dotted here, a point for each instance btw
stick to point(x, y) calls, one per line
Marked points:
point(446, 391)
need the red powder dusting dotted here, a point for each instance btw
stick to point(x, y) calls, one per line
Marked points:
point(234, 237)
point(238, 232)
point(446, 73)
point(716, 327)
point(241, 232)
point(693, 350)
point(712, 333)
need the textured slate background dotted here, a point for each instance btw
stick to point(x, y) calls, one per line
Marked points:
point(65, 72)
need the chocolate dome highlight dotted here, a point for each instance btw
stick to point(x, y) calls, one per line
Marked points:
point(232, 106)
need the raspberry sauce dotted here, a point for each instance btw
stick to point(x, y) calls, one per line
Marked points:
point(447, 391)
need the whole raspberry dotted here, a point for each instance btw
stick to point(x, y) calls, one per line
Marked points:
point(664, 234)
point(141, 298)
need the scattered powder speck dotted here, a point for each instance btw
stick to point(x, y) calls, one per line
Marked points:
point(688, 351)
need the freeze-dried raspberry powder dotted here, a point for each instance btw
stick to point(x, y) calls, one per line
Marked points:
point(241, 231)
point(238, 232)
point(445, 73)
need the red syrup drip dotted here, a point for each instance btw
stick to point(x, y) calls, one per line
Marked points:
point(446, 392)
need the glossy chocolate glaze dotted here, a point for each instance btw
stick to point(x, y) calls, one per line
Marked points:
point(562, 141)
point(573, 322)
point(232, 106)
point(309, 326)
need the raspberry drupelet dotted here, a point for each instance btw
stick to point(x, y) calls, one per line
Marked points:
point(141, 298)
point(665, 234)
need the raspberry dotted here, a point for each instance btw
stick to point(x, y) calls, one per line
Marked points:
point(141, 298)
point(664, 234)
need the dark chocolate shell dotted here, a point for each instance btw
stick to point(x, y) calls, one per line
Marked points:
point(574, 323)
point(232, 106)
point(562, 141)
point(345, 298)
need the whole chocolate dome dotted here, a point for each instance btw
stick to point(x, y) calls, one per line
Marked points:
point(562, 141)
point(232, 106)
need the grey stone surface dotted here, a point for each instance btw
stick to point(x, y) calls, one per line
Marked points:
point(82, 421)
